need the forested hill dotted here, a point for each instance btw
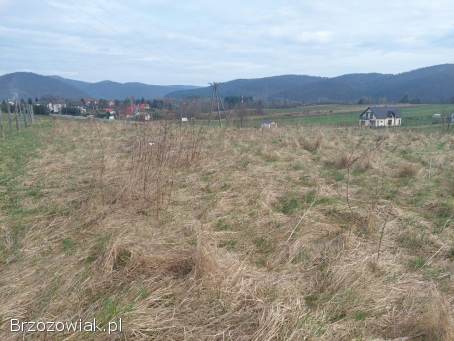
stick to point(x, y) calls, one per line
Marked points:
point(428, 85)
point(31, 85)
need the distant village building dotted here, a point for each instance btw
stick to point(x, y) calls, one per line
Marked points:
point(376, 117)
point(184, 119)
point(144, 106)
point(436, 118)
point(268, 124)
point(55, 108)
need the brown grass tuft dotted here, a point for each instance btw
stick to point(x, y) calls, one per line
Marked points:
point(406, 170)
point(311, 144)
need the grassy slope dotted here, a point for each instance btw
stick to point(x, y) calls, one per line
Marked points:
point(257, 240)
point(345, 115)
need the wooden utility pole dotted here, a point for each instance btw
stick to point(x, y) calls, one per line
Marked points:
point(216, 101)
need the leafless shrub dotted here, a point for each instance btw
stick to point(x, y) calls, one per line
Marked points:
point(159, 153)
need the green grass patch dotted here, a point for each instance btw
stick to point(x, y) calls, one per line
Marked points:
point(112, 309)
point(69, 246)
point(229, 244)
point(360, 316)
point(289, 203)
point(222, 225)
point(98, 248)
point(416, 263)
point(263, 245)
point(16, 150)
point(293, 202)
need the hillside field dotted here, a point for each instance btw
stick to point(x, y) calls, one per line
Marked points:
point(198, 233)
point(342, 115)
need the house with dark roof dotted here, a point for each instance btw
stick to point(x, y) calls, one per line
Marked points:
point(375, 117)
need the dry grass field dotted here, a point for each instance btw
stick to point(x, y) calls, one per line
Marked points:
point(200, 233)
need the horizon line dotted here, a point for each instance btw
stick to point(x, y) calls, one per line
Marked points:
point(234, 79)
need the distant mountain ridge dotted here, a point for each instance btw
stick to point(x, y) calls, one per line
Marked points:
point(31, 85)
point(428, 85)
point(432, 84)
point(115, 90)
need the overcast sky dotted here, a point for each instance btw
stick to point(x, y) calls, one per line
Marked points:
point(195, 42)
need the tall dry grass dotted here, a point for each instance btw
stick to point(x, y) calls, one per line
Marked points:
point(181, 231)
point(160, 153)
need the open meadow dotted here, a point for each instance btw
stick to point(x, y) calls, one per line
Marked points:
point(200, 233)
point(342, 115)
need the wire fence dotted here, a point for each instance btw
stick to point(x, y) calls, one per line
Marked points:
point(14, 117)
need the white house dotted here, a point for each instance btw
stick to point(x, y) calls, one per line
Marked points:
point(268, 124)
point(55, 107)
point(376, 117)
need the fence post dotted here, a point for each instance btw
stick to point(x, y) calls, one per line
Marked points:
point(32, 113)
point(16, 117)
point(24, 116)
point(28, 114)
point(10, 118)
point(2, 134)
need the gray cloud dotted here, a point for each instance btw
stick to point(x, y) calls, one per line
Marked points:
point(159, 41)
